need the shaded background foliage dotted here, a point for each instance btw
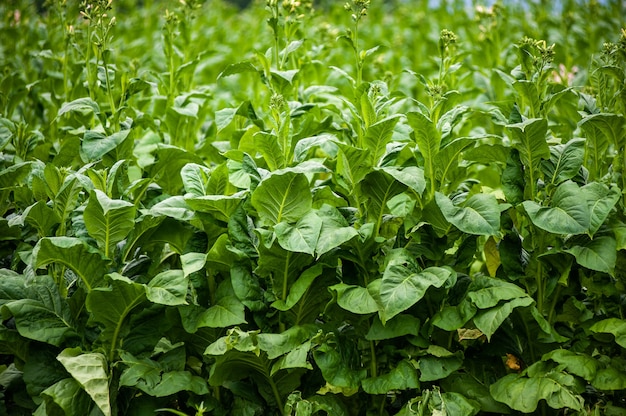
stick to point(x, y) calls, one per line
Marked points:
point(391, 208)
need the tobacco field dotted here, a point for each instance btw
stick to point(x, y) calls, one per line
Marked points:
point(295, 209)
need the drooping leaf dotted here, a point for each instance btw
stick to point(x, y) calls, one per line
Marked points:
point(614, 326)
point(601, 199)
point(91, 372)
point(335, 230)
point(69, 396)
point(402, 377)
point(568, 212)
point(299, 288)
point(599, 254)
point(85, 261)
point(402, 285)
point(565, 161)
point(222, 207)
point(43, 315)
point(488, 321)
point(357, 299)
point(523, 393)
point(379, 188)
point(400, 325)
point(436, 368)
point(479, 214)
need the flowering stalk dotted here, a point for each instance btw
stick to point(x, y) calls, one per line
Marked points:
point(358, 9)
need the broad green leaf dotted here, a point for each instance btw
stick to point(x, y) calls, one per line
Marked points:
point(339, 367)
point(69, 396)
point(302, 236)
point(579, 364)
point(13, 175)
point(192, 262)
point(529, 138)
point(108, 220)
point(66, 200)
point(599, 254)
point(568, 212)
point(479, 214)
point(456, 404)
point(84, 260)
point(614, 326)
point(488, 321)
point(238, 68)
point(42, 217)
point(512, 180)
point(402, 286)
point(523, 393)
point(565, 161)
point(352, 166)
point(282, 197)
point(610, 125)
point(225, 116)
point(378, 135)
point(83, 105)
point(402, 377)
point(168, 288)
point(96, 144)
point(267, 144)
point(428, 141)
point(169, 162)
point(357, 299)
point(601, 199)
point(448, 159)
point(435, 368)
point(299, 288)
point(491, 291)
point(91, 371)
point(194, 178)
point(335, 230)
point(475, 390)
point(44, 316)
point(276, 345)
point(609, 378)
point(111, 307)
point(174, 207)
point(155, 379)
point(411, 176)
point(401, 325)
point(451, 318)
point(379, 188)
point(222, 207)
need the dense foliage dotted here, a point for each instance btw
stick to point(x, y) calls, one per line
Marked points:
point(386, 209)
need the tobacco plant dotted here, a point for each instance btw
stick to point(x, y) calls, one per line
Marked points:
point(370, 208)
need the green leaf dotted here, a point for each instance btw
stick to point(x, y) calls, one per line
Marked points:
point(428, 141)
point(614, 326)
point(42, 217)
point(282, 197)
point(108, 220)
point(169, 162)
point(609, 378)
point(565, 161)
point(479, 214)
point(168, 288)
point(578, 364)
point(83, 105)
point(379, 188)
point(222, 207)
point(529, 138)
point(403, 285)
point(154, 378)
point(276, 345)
point(378, 135)
point(411, 176)
point(302, 236)
point(111, 307)
point(13, 175)
point(402, 377)
point(335, 230)
point(299, 288)
point(523, 393)
point(238, 68)
point(599, 254)
point(44, 316)
point(401, 325)
point(84, 260)
point(194, 178)
point(267, 144)
point(90, 370)
point(95, 144)
point(435, 368)
point(357, 299)
point(568, 213)
point(488, 321)
point(513, 182)
point(69, 396)
point(601, 199)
